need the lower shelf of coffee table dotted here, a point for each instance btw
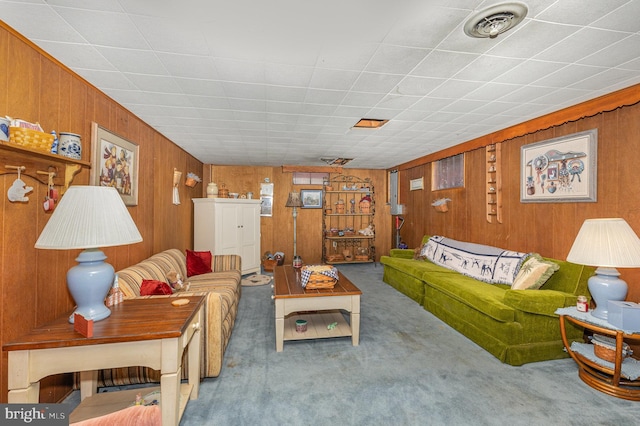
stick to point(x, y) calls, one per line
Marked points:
point(105, 403)
point(317, 323)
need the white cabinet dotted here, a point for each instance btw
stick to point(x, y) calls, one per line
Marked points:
point(228, 226)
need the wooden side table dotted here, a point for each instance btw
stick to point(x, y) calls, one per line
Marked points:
point(600, 374)
point(149, 332)
point(290, 297)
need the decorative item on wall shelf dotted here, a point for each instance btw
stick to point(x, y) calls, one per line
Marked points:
point(177, 176)
point(440, 205)
point(70, 145)
point(223, 191)
point(560, 170)
point(192, 180)
point(212, 190)
point(114, 163)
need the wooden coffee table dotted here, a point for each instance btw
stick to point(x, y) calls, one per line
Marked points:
point(320, 308)
point(147, 331)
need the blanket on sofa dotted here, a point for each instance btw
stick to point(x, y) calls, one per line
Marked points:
point(484, 263)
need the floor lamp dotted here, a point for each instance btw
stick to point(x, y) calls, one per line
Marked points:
point(295, 202)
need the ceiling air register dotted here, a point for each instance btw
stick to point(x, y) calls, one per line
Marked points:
point(494, 20)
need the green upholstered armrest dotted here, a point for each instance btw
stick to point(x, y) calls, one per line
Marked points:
point(543, 302)
point(402, 253)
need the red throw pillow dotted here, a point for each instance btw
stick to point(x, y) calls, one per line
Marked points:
point(198, 262)
point(154, 287)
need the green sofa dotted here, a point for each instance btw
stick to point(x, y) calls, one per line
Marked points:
point(516, 326)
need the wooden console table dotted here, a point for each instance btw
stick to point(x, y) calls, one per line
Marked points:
point(610, 378)
point(147, 331)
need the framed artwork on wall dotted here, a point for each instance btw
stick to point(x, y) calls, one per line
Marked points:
point(311, 198)
point(560, 170)
point(114, 162)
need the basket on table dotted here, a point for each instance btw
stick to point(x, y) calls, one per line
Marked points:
point(314, 277)
point(605, 348)
point(32, 139)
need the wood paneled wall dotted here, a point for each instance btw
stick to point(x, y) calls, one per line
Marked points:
point(546, 228)
point(277, 230)
point(33, 289)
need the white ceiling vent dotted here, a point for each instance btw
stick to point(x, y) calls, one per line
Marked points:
point(495, 20)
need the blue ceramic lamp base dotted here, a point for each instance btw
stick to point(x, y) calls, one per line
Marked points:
point(89, 283)
point(604, 286)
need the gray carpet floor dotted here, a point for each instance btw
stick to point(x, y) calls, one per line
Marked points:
point(410, 368)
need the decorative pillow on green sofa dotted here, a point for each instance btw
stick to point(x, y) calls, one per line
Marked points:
point(534, 272)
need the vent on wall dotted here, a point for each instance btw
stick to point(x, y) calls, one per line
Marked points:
point(490, 22)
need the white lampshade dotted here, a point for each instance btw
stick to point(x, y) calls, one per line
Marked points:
point(606, 242)
point(89, 217)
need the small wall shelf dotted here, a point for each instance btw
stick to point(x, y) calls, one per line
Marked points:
point(34, 161)
point(494, 183)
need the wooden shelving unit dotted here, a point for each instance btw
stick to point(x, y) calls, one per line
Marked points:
point(34, 161)
point(494, 183)
point(340, 228)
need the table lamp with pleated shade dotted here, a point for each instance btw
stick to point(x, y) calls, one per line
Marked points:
point(89, 217)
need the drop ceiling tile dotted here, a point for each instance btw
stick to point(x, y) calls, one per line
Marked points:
point(395, 59)
point(527, 94)
point(208, 102)
point(184, 38)
point(244, 90)
point(454, 89)
point(376, 83)
point(426, 25)
point(77, 55)
point(107, 79)
point(361, 99)
point(134, 61)
point(464, 106)
point(321, 96)
point(238, 104)
point(348, 56)
point(35, 20)
point(397, 101)
point(417, 86)
point(564, 12)
point(285, 94)
point(624, 18)
point(443, 64)
point(432, 103)
point(531, 38)
point(189, 66)
point(528, 71)
point(240, 71)
point(354, 112)
point(616, 54)
point(605, 79)
point(486, 68)
point(154, 83)
point(561, 97)
point(568, 75)
point(583, 43)
point(332, 79)
point(200, 87)
point(104, 28)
